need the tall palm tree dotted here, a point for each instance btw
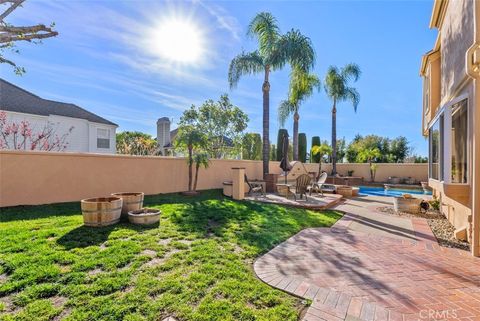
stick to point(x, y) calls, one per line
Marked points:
point(337, 89)
point(302, 85)
point(274, 51)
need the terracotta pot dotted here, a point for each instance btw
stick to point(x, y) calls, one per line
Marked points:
point(131, 202)
point(409, 205)
point(144, 216)
point(101, 211)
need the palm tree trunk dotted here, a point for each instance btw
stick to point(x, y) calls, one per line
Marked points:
point(334, 137)
point(296, 117)
point(319, 167)
point(266, 121)
point(197, 167)
point(190, 165)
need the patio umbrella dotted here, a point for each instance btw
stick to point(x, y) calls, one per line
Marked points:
point(284, 163)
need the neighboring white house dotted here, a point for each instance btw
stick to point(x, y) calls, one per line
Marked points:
point(91, 133)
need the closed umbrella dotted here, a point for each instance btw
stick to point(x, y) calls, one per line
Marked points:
point(284, 163)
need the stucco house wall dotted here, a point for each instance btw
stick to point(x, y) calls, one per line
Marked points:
point(457, 22)
point(456, 36)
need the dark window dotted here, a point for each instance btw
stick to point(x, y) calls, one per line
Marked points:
point(103, 138)
point(435, 141)
point(459, 142)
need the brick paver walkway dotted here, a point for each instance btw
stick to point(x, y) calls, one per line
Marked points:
point(357, 275)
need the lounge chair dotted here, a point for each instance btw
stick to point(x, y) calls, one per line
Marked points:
point(318, 185)
point(301, 188)
point(254, 186)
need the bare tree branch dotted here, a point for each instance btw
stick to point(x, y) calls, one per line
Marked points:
point(10, 34)
point(15, 4)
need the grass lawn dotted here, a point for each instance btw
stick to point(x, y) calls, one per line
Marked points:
point(196, 265)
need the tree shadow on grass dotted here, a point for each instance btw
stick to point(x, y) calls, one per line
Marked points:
point(84, 236)
point(33, 212)
point(254, 224)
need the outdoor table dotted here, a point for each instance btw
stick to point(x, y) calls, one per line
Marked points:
point(283, 189)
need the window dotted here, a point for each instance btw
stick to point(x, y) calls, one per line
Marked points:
point(426, 94)
point(103, 138)
point(459, 142)
point(435, 141)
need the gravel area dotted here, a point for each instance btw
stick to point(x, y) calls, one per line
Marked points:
point(441, 227)
point(430, 214)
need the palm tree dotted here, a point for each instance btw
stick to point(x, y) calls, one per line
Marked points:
point(369, 155)
point(321, 150)
point(337, 89)
point(302, 85)
point(200, 160)
point(274, 51)
point(190, 138)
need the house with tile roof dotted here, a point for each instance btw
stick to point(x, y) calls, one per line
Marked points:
point(87, 132)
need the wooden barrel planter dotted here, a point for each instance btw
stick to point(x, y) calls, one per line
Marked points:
point(101, 211)
point(144, 216)
point(131, 202)
point(409, 205)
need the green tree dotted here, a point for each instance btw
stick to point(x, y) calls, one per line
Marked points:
point(273, 152)
point(200, 160)
point(281, 133)
point(370, 155)
point(252, 146)
point(191, 139)
point(302, 147)
point(399, 149)
point(315, 142)
point(341, 150)
point(136, 143)
point(302, 86)
point(274, 51)
point(321, 151)
point(221, 122)
point(337, 89)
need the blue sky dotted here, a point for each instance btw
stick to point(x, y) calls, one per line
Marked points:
point(106, 60)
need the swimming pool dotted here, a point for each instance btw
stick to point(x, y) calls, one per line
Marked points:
point(380, 191)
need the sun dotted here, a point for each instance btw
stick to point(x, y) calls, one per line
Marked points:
point(178, 40)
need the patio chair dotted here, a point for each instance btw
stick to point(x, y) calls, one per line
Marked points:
point(319, 183)
point(301, 188)
point(254, 186)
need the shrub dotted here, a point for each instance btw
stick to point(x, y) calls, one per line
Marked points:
point(302, 147)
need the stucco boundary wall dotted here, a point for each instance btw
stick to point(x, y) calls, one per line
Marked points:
point(31, 178)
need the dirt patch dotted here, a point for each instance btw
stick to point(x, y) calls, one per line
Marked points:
point(164, 241)
point(58, 301)
point(3, 278)
point(94, 272)
point(150, 253)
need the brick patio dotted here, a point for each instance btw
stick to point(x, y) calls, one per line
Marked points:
point(353, 275)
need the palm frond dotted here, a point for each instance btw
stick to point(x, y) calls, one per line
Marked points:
point(285, 109)
point(244, 64)
point(264, 27)
point(296, 49)
point(351, 72)
point(302, 85)
point(352, 95)
point(334, 83)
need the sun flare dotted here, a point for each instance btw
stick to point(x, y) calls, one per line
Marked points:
point(178, 40)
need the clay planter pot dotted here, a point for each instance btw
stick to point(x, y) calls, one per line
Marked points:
point(131, 202)
point(144, 216)
point(101, 211)
point(409, 205)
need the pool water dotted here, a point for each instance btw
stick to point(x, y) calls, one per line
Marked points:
point(380, 191)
